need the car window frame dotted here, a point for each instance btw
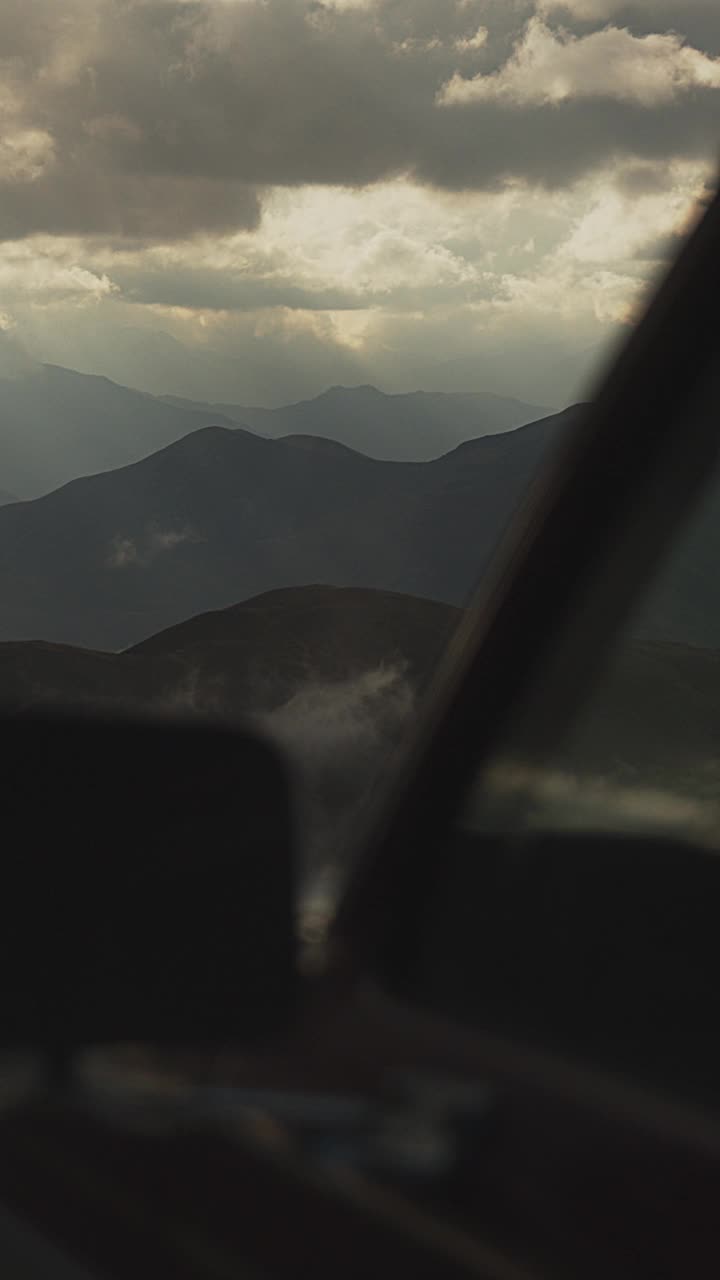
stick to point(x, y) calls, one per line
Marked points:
point(564, 579)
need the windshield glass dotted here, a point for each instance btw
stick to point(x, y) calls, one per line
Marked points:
point(642, 753)
point(295, 298)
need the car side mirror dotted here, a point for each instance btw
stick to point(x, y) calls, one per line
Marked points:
point(147, 884)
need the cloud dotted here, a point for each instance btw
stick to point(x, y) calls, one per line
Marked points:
point(216, 289)
point(588, 10)
point(15, 362)
point(509, 291)
point(161, 119)
point(699, 18)
point(48, 274)
point(337, 735)
point(126, 552)
point(641, 179)
point(550, 67)
point(470, 44)
point(25, 155)
point(123, 552)
point(249, 200)
point(94, 125)
point(73, 200)
point(196, 693)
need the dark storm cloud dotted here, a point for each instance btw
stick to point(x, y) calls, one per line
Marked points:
point(661, 250)
point(553, 145)
point(644, 178)
point(158, 118)
point(218, 290)
point(699, 20)
point(78, 200)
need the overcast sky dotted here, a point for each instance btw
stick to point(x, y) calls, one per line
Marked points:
point(254, 199)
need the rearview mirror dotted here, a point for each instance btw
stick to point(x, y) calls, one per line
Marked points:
point(147, 884)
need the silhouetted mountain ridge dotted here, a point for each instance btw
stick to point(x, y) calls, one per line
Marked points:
point(56, 424)
point(242, 660)
point(412, 426)
point(224, 514)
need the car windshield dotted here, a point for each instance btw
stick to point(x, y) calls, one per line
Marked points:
point(295, 299)
point(642, 752)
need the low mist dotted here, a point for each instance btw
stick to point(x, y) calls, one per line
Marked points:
point(336, 736)
point(126, 551)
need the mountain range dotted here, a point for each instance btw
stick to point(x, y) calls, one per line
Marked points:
point(224, 514)
point(410, 427)
point(57, 425)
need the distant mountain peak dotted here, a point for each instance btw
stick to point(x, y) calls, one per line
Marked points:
point(365, 389)
point(57, 425)
point(224, 514)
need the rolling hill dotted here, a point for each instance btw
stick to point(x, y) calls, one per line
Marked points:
point(331, 674)
point(409, 427)
point(249, 658)
point(334, 674)
point(223, 515)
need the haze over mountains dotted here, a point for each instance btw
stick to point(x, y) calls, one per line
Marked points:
point(56, 424)
point(224, 514)
point(412, 427)
point(178, 584)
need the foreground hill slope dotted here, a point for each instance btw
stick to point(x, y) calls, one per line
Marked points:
point(339, 671)
point(248, 658)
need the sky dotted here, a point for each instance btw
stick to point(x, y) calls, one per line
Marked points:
point(251, 200)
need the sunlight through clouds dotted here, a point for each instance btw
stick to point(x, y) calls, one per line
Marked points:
point(393, 190)
point(554, 66)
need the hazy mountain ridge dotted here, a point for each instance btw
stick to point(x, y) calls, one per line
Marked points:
point(414, 426)
point(224, 514)
point(56, 425)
